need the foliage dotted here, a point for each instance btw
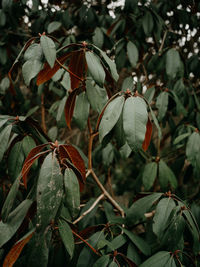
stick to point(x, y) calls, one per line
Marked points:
point(99, 133)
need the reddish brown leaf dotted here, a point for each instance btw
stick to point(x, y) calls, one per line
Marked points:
point(112, 27)
point(47, 72)
point(78, 66)
point(148, 134)
point(69, 107)
point(70, 153)
point(32, 156)
point(15, 251)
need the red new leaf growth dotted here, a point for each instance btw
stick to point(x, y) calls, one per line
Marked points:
point(70, 153)
point(30, 159)
point(47, 72)
point(15, 251)
point(77, 66)
point(69, 107)
point(148, 134)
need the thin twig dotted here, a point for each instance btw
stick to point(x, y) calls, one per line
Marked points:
point(44, 128)
point(112, 201)
point(93, 249)
point(90, 209)
point(77, 77)
point(162, 44)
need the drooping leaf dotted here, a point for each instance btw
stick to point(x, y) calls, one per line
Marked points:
point(61, 108)
point(67, 236)
point(98, 37)
point(102, 261)
point(133, 54)
point(160, 259)
point(173, 62)
point(16, 250)
point(77, 66)
point(34, 51)
point(162, 104)
point(110, 116)
point(49, 49)
point(135, 118)
point(133, 254)
point(166, 175)
point(71, 153)
point(95, 68)
point(69, 107)
point(47, 72)
point(163, 210)
point(72, 192)
point(49, 191)
point(148, 134)
point(30, 159)
point(147, 23)
point(180, 138)
point(14, 220)
point(193, 148)
point(4, 138)
point(138, 242)
point(156, 122)
point(149, 174)
point(53, 26)
point(7, 206)
point(81, 111)
point(149, 94)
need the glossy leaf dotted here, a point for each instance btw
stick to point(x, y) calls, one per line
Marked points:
point(95, 68)
point(67, 236)
point(160, 259)
point(148, 134)
point(72, 192)
point(110, 116)
point(15, 251)
point(133, 54)
point(4, 138)
point(135, 118)
point(13, 222)
point(49, 191)
point(166, 175)
point(149, 174)
point(49, 49)
point(163, 210)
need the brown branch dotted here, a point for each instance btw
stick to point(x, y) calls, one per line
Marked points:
point(44, 128)
point(162, 44)
point(90, 209)
point(62, 66)
point(93, 249)
point(112, 201)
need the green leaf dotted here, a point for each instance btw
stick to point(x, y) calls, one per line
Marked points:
point(127, 83)
point(133, 54)
point(95, 68)
point(113, 264)
point(166, 175)
point(67, 236)
point(138, 242)
point(72, 192)
point(28, 144)
point(15, 160)
point(149, 94)
point(135, 118)
point(141, 206)
point(149, 174)
point(193, 148)
point(173, 62)
point(49, 49)
point(66, 82)
point(98, 37)
point(102, 261)
point(179, 106)
point(8, 204)
point(110, 116)
point(2, 18)
point(162, 104)
point(163, 210)
point(118, 241)
point(53, 26)
point(96, 95)
point(133, 254)
point(4, 138)
point(159, 259)
point(81, 111)
point(34, 51)
point(49, 191)
point(147, 23)
point(30, 69)
point(61, 108)
point(119, 132)
point(180, 138)
point(156, 122)
point(14, 220)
